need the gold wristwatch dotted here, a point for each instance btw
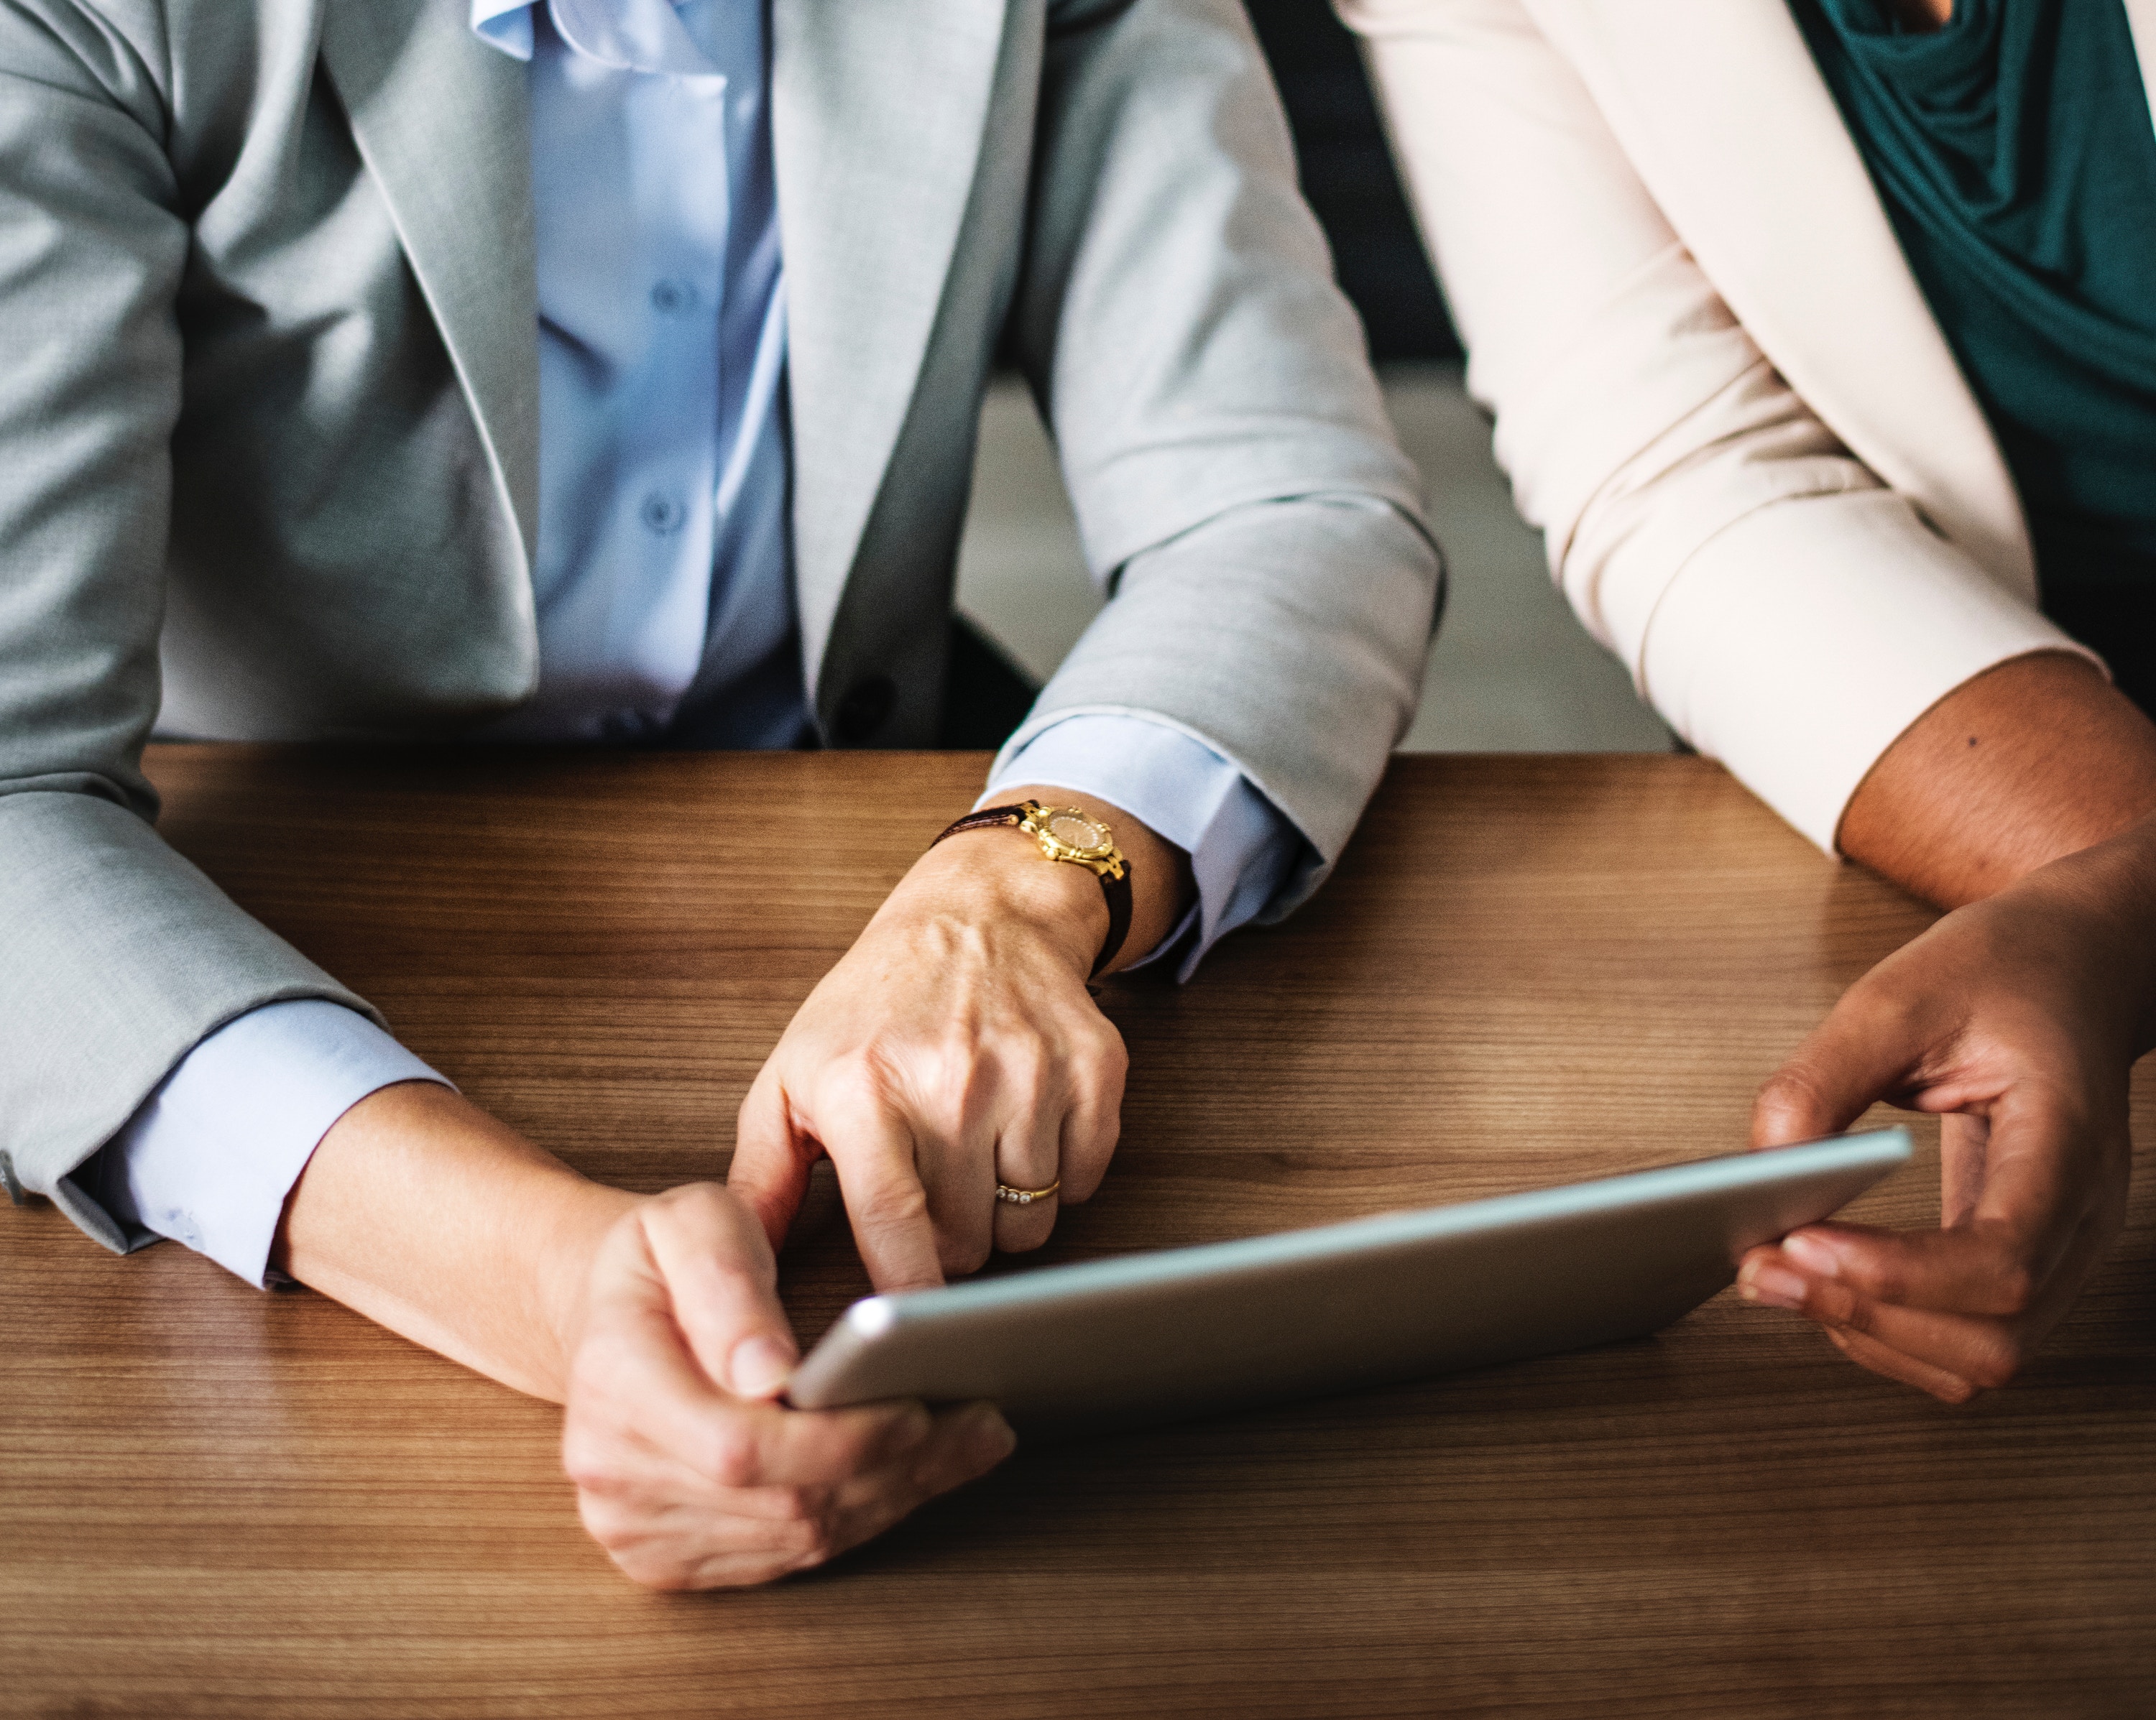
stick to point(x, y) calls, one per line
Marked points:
point(1066, 834)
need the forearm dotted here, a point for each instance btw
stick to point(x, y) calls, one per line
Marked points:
point(655, 1322)
point(432, 1218)
point(2035, 759)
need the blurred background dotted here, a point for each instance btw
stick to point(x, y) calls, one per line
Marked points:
point(1513, 670)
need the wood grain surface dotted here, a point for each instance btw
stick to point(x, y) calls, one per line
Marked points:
point(222, 1503)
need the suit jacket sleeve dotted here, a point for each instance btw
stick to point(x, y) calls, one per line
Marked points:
point(1236, 485)
point(1783, 609)
point(116, 955)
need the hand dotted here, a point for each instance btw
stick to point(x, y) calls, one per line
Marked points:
point(652, 1319)
point(954, 1047)
point(687, 1472)
point(2018, 1017)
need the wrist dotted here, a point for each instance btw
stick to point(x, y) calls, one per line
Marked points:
point(2117, 877)
point(2111, 886)
point(1155, 887)
point(2130, 855)
point(998, 875)
point(564, 1263)
point(427, 1215)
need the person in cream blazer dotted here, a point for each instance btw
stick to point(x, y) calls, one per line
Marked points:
point(1766, 484)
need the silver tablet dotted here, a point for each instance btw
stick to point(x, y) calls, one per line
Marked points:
point(1151, 1337)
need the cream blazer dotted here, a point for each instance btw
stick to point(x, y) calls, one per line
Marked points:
point(1718, 390)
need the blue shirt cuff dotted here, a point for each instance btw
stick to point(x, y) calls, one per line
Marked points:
point(1240, 845)
point(210, 1156)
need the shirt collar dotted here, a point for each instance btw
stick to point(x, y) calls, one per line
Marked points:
point(630, 35)
point(506, 24)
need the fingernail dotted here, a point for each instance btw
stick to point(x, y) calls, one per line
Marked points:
point(760, 1367)
point(1814, 1254)
point(1775, 1286)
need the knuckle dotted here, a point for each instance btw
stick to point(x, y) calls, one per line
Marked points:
point(1110, 1055)
point(733, 1459)
point(650, 1568)
point(1886, 1281)
point(961, 1256)
point(1994, 1363)
point(859, 1080)
point(901, 1203)
point(739, 1269)
point(594, 1374)
point(1098, 1101)
point(1100, 1059)
point(808, 1540)
point(1791, 1092)
point(614, 1525)
point(694, 1214)
point(2014, 1288)
point(685, 1200)
point(587, 1461)
point(953, 1096)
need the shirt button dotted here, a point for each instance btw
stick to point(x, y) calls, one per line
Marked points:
point(660, 514)
point(673, 298)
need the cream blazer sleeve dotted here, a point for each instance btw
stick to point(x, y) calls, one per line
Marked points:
point(1784, 610)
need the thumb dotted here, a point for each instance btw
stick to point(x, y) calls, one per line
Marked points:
point(771, 1160)
point(1863, 1052)
point(722, 1279)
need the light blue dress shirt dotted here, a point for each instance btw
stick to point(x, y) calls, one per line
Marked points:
point(663, 578)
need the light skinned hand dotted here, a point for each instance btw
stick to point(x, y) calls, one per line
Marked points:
point(954, 1047)
point(2018, 1018)
point(688, 1471)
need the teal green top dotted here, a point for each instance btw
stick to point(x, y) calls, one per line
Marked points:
point(2015, 152)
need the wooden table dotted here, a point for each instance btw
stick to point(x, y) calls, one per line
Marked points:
point(221, 1503)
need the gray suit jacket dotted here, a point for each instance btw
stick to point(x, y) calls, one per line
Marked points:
point(269, 432)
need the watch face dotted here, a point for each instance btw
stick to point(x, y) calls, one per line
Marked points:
point(1074, 831)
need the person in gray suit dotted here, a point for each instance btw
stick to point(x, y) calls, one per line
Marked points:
point(607, 370)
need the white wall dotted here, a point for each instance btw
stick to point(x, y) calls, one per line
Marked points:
point(1512, 671)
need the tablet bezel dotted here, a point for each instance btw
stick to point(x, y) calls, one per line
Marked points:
point(1082, 1344)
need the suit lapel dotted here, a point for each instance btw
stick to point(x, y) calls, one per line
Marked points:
point(442, 122)
point(1724, 115)
point(877, 115)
